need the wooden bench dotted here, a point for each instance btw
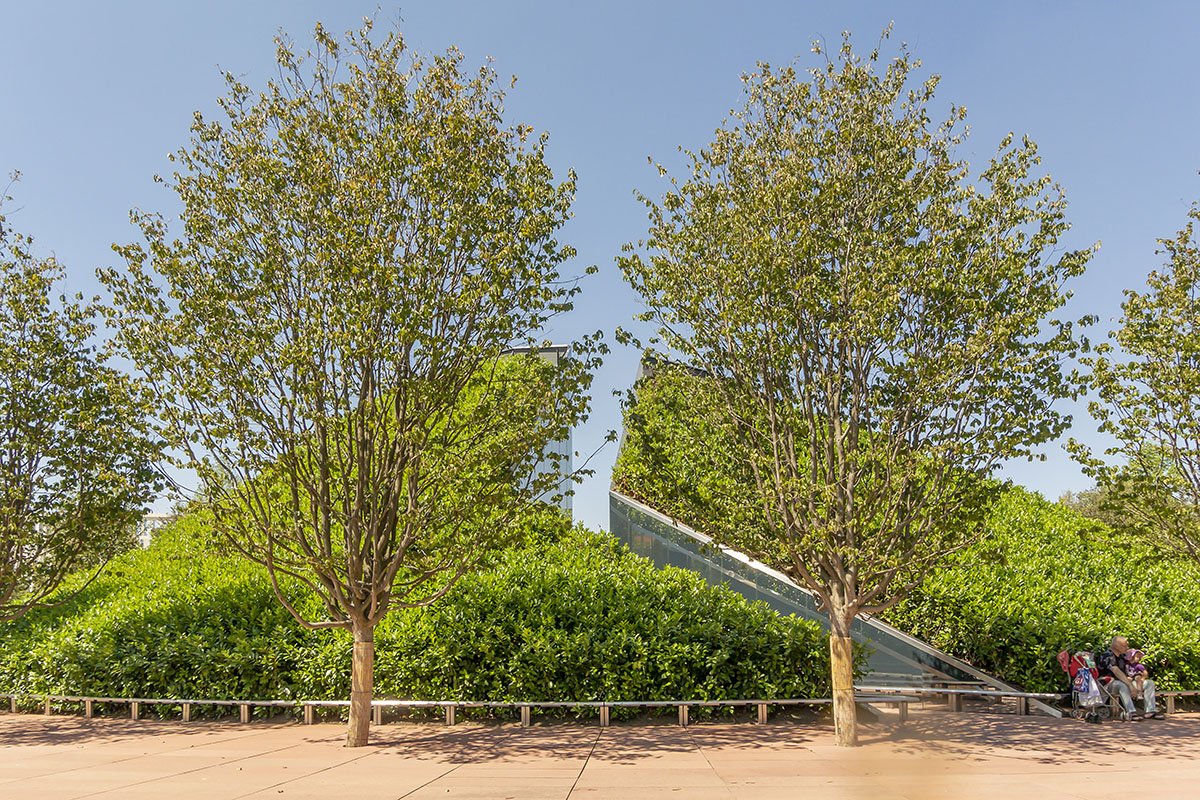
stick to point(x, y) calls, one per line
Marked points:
point(450, 707)
point(1114, 700)
point(1172, 695)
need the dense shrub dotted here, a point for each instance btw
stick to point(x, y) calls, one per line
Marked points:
point(1049, 579)
point(172, 621)
point(565, 617)
point(585, 619)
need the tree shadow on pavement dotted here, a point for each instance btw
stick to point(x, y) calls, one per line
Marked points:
point(36, 729)
point(1043, 740)
point(962, 737)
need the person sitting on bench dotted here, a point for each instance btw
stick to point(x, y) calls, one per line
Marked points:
point(1120, 685)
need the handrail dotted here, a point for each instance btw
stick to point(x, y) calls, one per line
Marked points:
point(450, 706)
point(971, 692)
point(875, 695)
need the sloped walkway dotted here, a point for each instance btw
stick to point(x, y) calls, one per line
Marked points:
point(935, 756)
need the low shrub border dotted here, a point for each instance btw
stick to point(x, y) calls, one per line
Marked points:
point(571, 614)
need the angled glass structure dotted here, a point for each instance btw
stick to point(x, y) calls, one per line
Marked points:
point(894, 657)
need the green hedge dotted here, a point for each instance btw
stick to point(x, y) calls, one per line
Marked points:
point(567, 617)
point(169, 621)
point(1049, 579)
point(1045, 579)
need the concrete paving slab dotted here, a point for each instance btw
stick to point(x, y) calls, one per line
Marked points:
point(936, 755)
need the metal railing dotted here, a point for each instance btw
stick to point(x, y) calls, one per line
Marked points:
point(1026, 703)
point(308, 708)
point(955, 696)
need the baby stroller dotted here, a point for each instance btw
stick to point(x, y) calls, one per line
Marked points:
point(1088, 701)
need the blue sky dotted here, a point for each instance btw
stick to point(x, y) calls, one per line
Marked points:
point(94, 96)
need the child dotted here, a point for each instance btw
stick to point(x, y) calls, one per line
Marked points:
point(1131, 664)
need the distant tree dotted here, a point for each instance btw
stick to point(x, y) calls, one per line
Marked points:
point(361, 244)
point(1091, 503)
point(1149, 389)
point(77, 464)
point(876, 324)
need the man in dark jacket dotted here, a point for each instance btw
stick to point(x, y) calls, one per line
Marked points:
point(1117, 683)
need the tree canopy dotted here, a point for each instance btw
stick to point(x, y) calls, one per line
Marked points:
point(362, 241)
point(77, 463)
point(1148, 386)
point(877, 322)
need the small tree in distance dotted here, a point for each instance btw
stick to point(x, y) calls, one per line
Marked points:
point(1149, 388)
point(361, 243)
point(875, 323)
point(77, 462)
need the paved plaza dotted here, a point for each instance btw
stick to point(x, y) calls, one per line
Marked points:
point(935, 756)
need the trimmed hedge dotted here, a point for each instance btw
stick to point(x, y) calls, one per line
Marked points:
point(169, 621)
point(1049, 579)
point(570, 616)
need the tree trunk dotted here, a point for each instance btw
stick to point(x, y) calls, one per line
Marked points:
point(362, 682)
point(841, 665)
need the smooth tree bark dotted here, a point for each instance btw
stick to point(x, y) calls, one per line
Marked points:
point(362, 677)
point(877, 323)
point(1148, 382)
point(361, 243)
point(77, 461)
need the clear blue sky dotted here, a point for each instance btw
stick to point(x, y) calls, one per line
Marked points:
point(94, 95)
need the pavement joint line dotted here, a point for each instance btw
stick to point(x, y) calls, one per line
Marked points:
point(595, 744)
point(307, 775)
point(184, 772)
point(1006, 753)
point(692, 736)
point(410, 792)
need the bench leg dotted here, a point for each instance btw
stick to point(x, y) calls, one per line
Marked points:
point(450, 715)
point(762, 713)
point(12, 704)
point(87, 708)
point(308, 714)
point(525, 717)
point(134, 709)
point(244, 712)
point(683, 716)
point(604, 717)
point(47, 710)
point(377, 715)
point(1170, 704)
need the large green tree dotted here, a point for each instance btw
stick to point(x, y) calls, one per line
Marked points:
point(361, 243)
point(77, 464)
point(1149, 402)
point(876, 322)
